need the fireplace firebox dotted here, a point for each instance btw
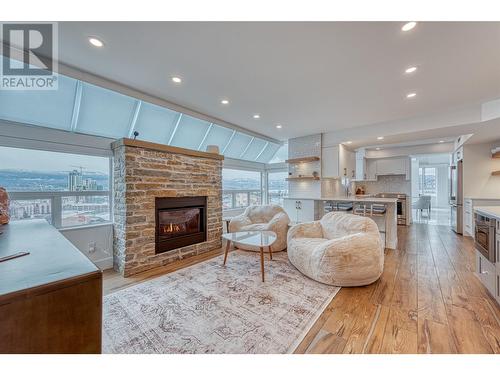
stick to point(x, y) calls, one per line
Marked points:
point(180, 221)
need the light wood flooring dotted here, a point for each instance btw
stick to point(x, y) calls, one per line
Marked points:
point(428, 300)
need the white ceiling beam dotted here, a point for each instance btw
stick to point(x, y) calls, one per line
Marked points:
point(246, 148)
point(76, 106)
point(179, 117)
point(133, 121)
point(205, 136)
point(260, 153)
point(228, 142)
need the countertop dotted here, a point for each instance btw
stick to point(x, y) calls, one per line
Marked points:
point(351, 199)
point(493, 211)
point(482, 199)
point(52, 257)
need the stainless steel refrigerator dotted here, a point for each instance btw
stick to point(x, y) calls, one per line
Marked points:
point(456, 197)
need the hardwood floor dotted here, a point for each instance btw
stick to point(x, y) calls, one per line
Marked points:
point(427, 301)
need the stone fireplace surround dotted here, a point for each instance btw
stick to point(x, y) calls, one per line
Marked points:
point(144, 171)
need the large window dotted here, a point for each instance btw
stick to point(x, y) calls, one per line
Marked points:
point(277, 187)
point(65, 189)
point(427, 181)
point(240, 188)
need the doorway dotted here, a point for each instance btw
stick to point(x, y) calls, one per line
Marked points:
point(431, 189)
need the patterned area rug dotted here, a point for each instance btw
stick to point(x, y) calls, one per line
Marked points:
point(209, 308)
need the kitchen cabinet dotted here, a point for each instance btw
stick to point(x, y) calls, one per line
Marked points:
point(330, 162)
point(468, 212)
point(337, 161)
point(486, 272)
point(366, 169)
point(391, 166)
point(302, 210)
point(468, 218)
point(371, 170)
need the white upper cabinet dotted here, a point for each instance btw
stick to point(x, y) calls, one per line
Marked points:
point(371, 170)
point(391, 166)
point(330, 162)
point(337, 161)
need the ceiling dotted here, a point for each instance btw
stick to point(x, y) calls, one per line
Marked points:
point(309, 77)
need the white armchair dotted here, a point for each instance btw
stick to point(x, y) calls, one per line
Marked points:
point(271, 217)
point(340, 249)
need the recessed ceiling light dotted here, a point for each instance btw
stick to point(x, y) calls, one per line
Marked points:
point(224, 101)
point(278, 126)
point(378, 149)
point(380, 138)
point(96, 42)
point(441, 141)
point(176, 79)
point(408, 26)
point(411, 95)
point(348, 142)
point(256, 116)
point(411, 69)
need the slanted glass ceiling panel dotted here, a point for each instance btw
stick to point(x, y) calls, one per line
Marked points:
point(237, 145)
point(49, 108)
point(254, 149)
point(268, 152)
point(281, 155)
point(190, 132)
point(219, 136)
point(104, 112)
point(155, 123)
point(81, 107)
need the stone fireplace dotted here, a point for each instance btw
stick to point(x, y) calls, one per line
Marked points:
point(167, 204)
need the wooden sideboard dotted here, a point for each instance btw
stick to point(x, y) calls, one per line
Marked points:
point(51, 299)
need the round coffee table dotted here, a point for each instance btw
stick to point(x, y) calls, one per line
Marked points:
point(261, 239)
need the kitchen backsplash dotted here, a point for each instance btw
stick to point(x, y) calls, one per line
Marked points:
point(387, 184)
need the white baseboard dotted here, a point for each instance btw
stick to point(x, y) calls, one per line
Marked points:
point(105, 263)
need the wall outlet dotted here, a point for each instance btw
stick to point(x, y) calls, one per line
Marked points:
point(92, 247)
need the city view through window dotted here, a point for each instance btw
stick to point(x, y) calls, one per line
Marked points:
point(243, 188)
point(40, 181)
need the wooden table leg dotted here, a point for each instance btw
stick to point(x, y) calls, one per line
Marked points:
point(228, 245)
point(270, 253)
point(262, 262)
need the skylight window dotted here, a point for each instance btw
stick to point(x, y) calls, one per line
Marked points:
point(85, 108)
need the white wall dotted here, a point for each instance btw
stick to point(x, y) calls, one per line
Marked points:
point(102, 235)
point(303, 147)
point(477, 167)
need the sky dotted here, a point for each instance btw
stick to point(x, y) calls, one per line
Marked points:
point(34, 160)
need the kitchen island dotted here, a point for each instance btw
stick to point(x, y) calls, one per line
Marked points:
point(309, 209)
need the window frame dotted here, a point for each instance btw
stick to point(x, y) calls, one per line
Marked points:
point(56, 197)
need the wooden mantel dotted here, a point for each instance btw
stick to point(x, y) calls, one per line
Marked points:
point(159, 147)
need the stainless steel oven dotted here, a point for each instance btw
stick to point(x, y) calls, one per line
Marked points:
point(484, 236)
point(400, 205)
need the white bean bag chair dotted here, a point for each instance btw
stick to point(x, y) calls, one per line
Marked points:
point(270, 217)
point(340, 249)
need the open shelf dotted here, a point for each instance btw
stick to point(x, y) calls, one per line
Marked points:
point(302, 178)
point(495, 173)
point(308, 159)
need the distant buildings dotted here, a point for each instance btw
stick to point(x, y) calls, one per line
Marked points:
point(76, 182)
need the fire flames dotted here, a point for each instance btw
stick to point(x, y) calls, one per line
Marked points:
point(172, 228)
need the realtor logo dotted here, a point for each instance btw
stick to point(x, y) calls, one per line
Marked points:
point(29, 60)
